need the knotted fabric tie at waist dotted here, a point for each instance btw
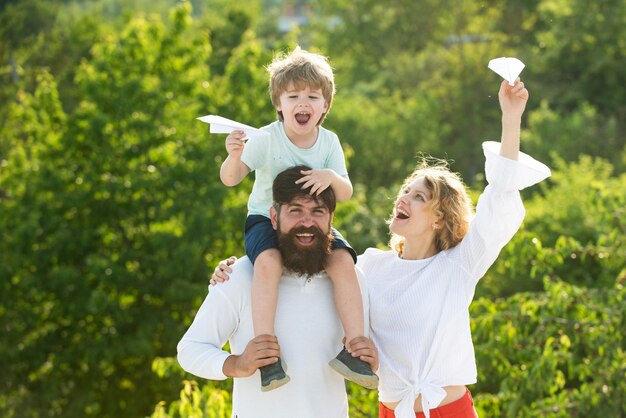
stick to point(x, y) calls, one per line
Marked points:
point(432, 396)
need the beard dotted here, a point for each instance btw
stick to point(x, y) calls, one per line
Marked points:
point(304, 260)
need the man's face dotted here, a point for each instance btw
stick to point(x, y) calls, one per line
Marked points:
point(303, 229)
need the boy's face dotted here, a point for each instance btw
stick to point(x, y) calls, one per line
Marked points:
point(302, 109)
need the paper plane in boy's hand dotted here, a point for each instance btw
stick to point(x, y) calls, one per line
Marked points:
point(507, 67)
point(221, 125)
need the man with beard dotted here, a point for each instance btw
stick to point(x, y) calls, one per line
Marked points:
point(306, 319)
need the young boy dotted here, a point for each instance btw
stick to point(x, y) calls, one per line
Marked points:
point(302, 88)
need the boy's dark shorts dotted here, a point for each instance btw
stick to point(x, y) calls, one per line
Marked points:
point(259, 235)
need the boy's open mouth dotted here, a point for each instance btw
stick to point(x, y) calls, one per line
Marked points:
point(302, 118)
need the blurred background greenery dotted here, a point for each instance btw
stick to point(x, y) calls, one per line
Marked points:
point(112, 215)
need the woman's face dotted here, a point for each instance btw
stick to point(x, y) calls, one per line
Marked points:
point(413, 216)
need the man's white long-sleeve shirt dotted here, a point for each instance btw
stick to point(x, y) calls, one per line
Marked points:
point(309, 333)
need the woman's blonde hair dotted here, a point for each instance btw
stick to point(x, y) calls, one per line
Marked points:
point(449, 201)
point(301, 69)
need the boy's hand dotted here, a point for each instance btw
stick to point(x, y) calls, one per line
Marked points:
point(513, 98)
point(235, 143)
point(317, 180)
point(220, 275)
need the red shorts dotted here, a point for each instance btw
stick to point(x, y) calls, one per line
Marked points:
point(461, 408)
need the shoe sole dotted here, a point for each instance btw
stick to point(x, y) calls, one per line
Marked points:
point(275, 384)
point(369, 382)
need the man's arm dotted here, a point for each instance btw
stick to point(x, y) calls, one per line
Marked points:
point(200, 350)
point(218, 319)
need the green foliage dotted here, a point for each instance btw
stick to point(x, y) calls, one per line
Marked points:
point(112, 213)
point(244, 92)
point(377, 33)
point(587, 132)
point(556, 353)
point(364, 124)
point(439, 51)
point(38, 35)
point(18, 20)
point(364, 224)
point(196, 402)
point(117, 224)
point(362, 403)
point(581, 43)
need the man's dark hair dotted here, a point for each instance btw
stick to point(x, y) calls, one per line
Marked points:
point(285, 189)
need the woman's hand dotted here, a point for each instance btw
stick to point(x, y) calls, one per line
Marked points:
point(220, 275)
point(513, 98)
point(512, 102)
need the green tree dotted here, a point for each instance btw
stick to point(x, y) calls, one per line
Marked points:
point(581, 46)
point(118, 207)
point(583, 131)
point(112, 213)
point(36, 35)
point(557, 353)
point(196, 401)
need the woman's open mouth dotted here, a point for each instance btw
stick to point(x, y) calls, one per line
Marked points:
point(401, 214)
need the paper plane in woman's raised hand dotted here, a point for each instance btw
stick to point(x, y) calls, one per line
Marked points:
point(507, 67)
point(221, 125)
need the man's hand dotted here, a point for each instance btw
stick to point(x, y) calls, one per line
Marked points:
point(220, 275)
point(234, 144)
point(317, 180)
point(364, 348)
point(259, 352)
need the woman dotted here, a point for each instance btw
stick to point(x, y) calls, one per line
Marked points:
point(421, 288)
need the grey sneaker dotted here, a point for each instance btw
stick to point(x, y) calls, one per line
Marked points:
point(273, 376)
point(354, 369)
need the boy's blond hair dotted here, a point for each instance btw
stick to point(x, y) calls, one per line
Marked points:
point(301, 69)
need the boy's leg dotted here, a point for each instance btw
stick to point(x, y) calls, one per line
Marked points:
point(349, 304)
point(268, 269)
point(347, 293)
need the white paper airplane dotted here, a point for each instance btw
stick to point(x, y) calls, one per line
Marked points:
point(221, 125)
point(507, 67)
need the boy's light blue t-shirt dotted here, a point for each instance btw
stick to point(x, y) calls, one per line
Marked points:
point(270, 155)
